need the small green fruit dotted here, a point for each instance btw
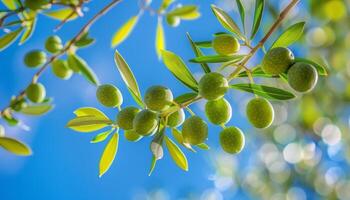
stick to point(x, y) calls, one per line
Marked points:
point(36, 92)
point(132, 136)
point(158, 98)
point(277, 61)
point(213, 86)
point(225, 44)
point(126, 116)
point(260, 112)
point(176, 118)
point(109, 95)
point(61, 70)
point(218, 111)
point(302, 77)
point(35, 58)
point(53, 44)
point(36, 4)
point(173, 20)
point(232, 140)
point(194, 130)
point(145, 122)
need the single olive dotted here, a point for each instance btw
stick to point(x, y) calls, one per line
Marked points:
point(35, 58)
point(302, 77)
point(194, 130)
point(36, 92)
point(126, 117)
point(109, 95)
point(260, 112)
point(53, 44)
point(232, 140)
point(225, 44)
point(218, 111)
point(158, 98)
point(277, 61)
point(61, 70)
point(176, 119)
point(213, 86)
point(132, 136)
point(145, 122)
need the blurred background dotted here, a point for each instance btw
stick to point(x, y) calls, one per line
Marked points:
point(304, 155)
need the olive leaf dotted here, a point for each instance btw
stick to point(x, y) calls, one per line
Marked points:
point(188, 12)
point(218, 59)
point(264, 91)
point(36, 109)
point(165, 4)
point(30, 26)
point(322, 70)
point(226, 21)
point(204, 44)
point(256, 72)
point(241, 12)
point(160, 38)
point(290, 35)
point(179, 69)
point(90, 111)
point(108, 154)
point(128, 78)
point(153, 165)
point(84, 40)
point(124, 31)
point(67, 14)
point(14, 146)
point(88, 123)
point(203, 146)
point(101, 136)
point(185, 97)
point(79, 65)
point(10, 120)
point(10, 4)
point(9, 38)
point(179, 139)
point(198, 53)
point(177, 155)
point(258, 13)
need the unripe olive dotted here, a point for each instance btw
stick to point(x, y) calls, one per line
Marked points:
point(176, 119)
point(194, 130)
point(302, 77)
point(36, 4)
point(218, 111)
point(35, 58)
point(213, 86)
point(36, 92)
point(126, 116)
point(277, 61)
point(145, 122)
point(173, 20)
point(260, 112)
point(53, 44)
point(158, 98)
point(232, 140)
point(132, 136)
point(225, 44)
point(109, 95)
point(61, 70)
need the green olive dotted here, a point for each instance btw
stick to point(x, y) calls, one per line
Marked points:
point(232, 140)
point(145, 122)
point(36, 4)
point(277, 61)
point(126, 116)
point(61, 70)
point(132, 136)
point(53, 44)
point(194, 130)
point(218, 111)
point(36, 92)
point(176, 119)
point(225, 44)
point(213, 86)
point(158, 98)
point(260, 112)
point(35, 58)
point(302, 77)
point(109, 95)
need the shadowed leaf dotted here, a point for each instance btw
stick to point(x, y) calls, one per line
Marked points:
point(264, 91)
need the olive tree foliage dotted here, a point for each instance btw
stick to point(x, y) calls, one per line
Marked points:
point(157, 110)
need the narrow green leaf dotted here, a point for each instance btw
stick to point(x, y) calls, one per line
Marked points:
point(258, 13)
point(290, 35)
point(84, 40)
point(62, 14)
point(241, 12)
point(90, 111)
point(108, 154)
point(198, 53)
point(322, 70)
point(9, 38)
point(179, 139)
point(28, 31)
point(14, 146)
point(101, 136)
point(264, 91)
point(153, 165)
point(227, 22)
point(88, 123)
point(218, 59)
point(257, 72)
point(165, 4)
point(177, 155)
point(188, 12)
point(128, 78)
point(203, 146)
point(178, 68)
point(10, 120)
point(10, 4)
point(124, 31)
point(185, 97)
point(37, 109)
point(204, 44)
point(160, 39)
point(75, 62)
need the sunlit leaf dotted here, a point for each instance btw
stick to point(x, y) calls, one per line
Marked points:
point(258, 13)
point(218, 59)
point(198, 53)
point(28, 31)
point(109, 154)
point(176, 65)
point(14, 146)
point(188, 12)
point(256, 72)
point(165, 4)
point(177, 155)
point(290, 35)
point(264, 91)
point(124, 31)
point(62, 14)
point(203, 146)
point(78, 63)
point(177, 135)
point(153, 165)
point(160, 38)
point(101, 136)
point(128, 78)
point(88, 123)
point(9, 38)
point(36, 109)
point(10, 4)
point(241, 12)
point(90, 111)
point(322, 70)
